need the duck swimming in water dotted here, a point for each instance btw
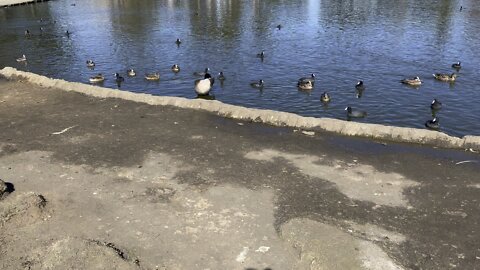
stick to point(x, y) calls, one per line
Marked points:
point(360, 86)
point(457, 65)
point(325, 97)
point(436, 105)
point(258, 85)
point(221, 76)
point(22, 59)
point(203, 86)
point(201, 74)
point(97, 78)
point(351, 113)
point(175, 68)
point(445, 77)
point(90, 63)
point(414, 82)
point(307, 85)
point(261, 55)
point(308, 79)
point(178, 42)
point(152, 76)
point(433, 124)
point(131, 73)
point(119, 79)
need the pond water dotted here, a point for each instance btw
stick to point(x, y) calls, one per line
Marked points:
point(379, 42)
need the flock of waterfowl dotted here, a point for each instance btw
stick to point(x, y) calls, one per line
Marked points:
point(203, 86)
point(436, 105)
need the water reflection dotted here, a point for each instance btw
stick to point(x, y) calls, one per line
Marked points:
point(343, 41)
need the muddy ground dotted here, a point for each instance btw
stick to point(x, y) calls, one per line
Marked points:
point(92, 183)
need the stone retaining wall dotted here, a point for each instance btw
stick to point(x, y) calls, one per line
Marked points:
point(276, 118)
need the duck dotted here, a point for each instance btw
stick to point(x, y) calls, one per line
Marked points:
point(22, 59)
point(308, 79)
point(307, 85)
point(152, 76)
point(67, 33)
point(436, 105)
point(261, 55)
point(97, 78)
point(433, 124)
point(178, 41)
point(27, 33)
point(351, 113)
point(325, 97)
point(131, 73)
point(221, 76)
point(202, 74)
point(445, 77)
point(175, 68)
point(119, 79)
point(258, 84)
point(415, 81)
point(203, 86)
point(279, 27)
point(360, 86)
point(457, 65)
point(90, 63)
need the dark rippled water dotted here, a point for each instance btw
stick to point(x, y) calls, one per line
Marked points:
point(379, 42)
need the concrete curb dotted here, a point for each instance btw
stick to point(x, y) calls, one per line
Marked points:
point(376, 131)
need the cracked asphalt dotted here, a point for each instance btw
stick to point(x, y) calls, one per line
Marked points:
point(173, 188)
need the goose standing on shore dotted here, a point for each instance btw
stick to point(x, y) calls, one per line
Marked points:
point(203, 86)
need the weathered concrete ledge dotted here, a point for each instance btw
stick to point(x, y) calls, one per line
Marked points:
point(7, 3)
point(376, 131)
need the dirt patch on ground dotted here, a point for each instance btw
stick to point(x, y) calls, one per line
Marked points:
point(357, 181)
point(22, 209)
point(158, 187)
point(73, 253)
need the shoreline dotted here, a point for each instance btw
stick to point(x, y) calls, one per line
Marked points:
point(275, 118)
point(96, 183)
point(8, 3)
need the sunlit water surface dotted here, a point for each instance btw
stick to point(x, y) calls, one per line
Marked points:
point(379, 42)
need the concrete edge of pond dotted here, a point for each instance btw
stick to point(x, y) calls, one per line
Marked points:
point(276, 118)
